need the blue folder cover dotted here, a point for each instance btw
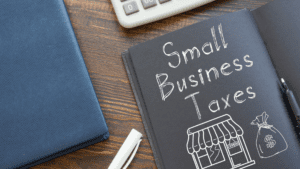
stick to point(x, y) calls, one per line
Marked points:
point(48, 106)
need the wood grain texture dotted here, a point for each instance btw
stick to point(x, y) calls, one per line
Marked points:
point(101, 40)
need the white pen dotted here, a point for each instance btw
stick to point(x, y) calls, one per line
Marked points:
point(132, 140)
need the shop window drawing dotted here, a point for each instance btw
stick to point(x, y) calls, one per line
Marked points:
point(210, 156)
point(216, 142)
point(269, 141)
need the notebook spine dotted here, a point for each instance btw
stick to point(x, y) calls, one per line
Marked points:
point(141, 106)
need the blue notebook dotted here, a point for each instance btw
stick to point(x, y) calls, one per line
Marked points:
point(48, 105)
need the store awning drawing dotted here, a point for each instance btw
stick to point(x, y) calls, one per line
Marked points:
point(212, 133)
point(212, 142)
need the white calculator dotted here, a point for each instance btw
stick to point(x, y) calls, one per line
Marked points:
point(133, 13)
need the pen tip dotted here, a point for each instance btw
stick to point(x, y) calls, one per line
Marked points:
point(284, 85)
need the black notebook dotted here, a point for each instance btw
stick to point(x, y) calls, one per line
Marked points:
point(210, 95)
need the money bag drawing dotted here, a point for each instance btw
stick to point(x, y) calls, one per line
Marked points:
point(269, 141)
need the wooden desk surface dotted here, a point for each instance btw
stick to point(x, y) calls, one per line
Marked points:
point(101, 40)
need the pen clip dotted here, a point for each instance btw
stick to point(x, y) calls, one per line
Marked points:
point(132, 155)
point(130, 146)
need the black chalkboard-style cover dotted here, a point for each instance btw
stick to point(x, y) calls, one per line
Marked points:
point(210, 95)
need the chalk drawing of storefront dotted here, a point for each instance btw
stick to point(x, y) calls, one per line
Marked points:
point(216, 142)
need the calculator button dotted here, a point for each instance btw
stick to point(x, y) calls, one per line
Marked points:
point(130, 8)
point(163, 1)
point(148, 3)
